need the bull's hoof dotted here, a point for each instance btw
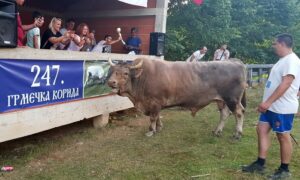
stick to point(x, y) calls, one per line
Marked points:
point(217, 133)
point(237, 136)
point(149, 134)
point(158, 128)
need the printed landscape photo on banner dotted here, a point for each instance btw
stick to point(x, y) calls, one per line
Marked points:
point(95, 78)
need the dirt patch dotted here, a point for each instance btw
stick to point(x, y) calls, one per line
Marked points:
point(130, 118)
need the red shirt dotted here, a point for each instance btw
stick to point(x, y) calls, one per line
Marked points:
point(21, 33)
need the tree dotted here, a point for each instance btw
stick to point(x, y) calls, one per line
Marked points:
point(248, 26)
point(196, 26)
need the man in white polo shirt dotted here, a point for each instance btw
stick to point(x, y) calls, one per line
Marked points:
point(278, 107)
point(197, 55)
point(222, 53)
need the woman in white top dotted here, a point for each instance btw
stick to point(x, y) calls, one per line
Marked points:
point(80, 38)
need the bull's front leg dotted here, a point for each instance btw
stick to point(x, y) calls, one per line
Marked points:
point(154, 117)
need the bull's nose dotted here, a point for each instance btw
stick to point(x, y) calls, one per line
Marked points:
point(112, 83)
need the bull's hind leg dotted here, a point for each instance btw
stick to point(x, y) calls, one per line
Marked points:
point(159, 125)
point(154, 117)
point(224, 113)
point(239, 116)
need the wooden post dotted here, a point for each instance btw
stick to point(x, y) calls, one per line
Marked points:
point(260, 74)
point(250, 77)
point(100, 121)
point(258, 71)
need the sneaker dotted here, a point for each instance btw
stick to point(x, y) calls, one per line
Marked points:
point(280, 174)
point(254, 168)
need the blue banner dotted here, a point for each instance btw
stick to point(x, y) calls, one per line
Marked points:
point(30, 83)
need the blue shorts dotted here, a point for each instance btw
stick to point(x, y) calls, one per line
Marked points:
point(280, 123)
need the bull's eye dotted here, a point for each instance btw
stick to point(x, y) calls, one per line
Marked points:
point(126, 73)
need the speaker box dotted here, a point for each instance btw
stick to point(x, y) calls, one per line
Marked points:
point(157, 44)
point(8, 23)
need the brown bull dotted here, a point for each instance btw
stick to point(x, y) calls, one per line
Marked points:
point(155, 84)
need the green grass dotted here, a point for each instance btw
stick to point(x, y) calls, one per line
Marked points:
point(96, 90)
point(184, 148)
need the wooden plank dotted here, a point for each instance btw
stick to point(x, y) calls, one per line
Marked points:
point(44, 54)
point(259, 65)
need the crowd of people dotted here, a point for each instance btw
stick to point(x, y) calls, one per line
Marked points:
point(68, 38)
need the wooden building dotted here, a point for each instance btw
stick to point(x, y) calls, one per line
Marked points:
point(104, 16)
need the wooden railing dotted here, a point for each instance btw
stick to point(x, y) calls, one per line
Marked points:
point(257, 73)
point(26, 121)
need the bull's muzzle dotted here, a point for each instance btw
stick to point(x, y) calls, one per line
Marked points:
point(112, 83)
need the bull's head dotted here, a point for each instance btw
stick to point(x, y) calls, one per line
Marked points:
point(122, 75)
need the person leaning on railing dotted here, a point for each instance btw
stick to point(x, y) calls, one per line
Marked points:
point(104, 46)
point(83, 40)
point(22, 28)
point(34, 35)
point(52, 37)
point(197, 55)
point(133, 43)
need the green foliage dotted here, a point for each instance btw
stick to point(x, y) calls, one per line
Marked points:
point(248, 26)
point(176, 46)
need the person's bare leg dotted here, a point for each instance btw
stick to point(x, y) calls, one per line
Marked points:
point(286, 147)
point(263, 138)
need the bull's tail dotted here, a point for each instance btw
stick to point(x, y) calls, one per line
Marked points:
point(243, 101)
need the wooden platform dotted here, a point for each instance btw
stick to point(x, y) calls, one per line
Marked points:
point(25, 122)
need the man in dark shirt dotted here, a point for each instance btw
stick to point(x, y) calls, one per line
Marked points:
point(133, 43)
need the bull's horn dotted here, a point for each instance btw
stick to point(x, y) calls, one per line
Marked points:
point(139, 65)
point(110, 62)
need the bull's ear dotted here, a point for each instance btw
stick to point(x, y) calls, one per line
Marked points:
point(138, 72)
